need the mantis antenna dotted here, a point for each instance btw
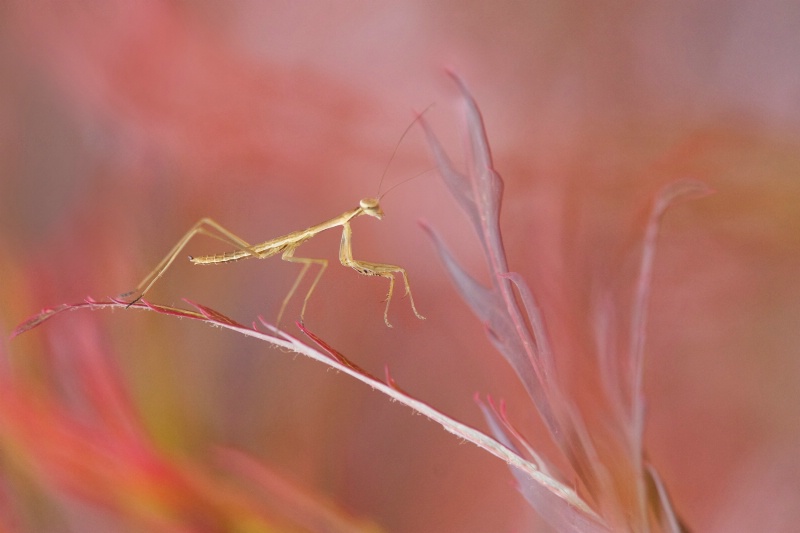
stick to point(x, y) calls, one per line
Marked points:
point(394, 152)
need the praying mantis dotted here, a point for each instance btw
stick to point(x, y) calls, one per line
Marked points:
point(286, 246)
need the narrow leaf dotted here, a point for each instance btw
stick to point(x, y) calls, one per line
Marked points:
point(564, 511)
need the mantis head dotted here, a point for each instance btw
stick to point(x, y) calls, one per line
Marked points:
point(371, 207)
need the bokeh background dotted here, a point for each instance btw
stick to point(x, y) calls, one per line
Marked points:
point(122, 123)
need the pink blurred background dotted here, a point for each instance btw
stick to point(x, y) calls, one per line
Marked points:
point(122, 123)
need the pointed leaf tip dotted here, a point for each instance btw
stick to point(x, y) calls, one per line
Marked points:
point(685, 189)
point(213, 315)
point(390, 380)
point(36, 320)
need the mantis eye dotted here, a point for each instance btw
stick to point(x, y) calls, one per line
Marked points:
point(369, 204)
point(371, 207)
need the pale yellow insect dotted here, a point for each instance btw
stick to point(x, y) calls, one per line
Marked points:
point(286, 245)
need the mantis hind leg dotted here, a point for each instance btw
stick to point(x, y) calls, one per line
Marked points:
point(288, 255)
point(204, 226)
